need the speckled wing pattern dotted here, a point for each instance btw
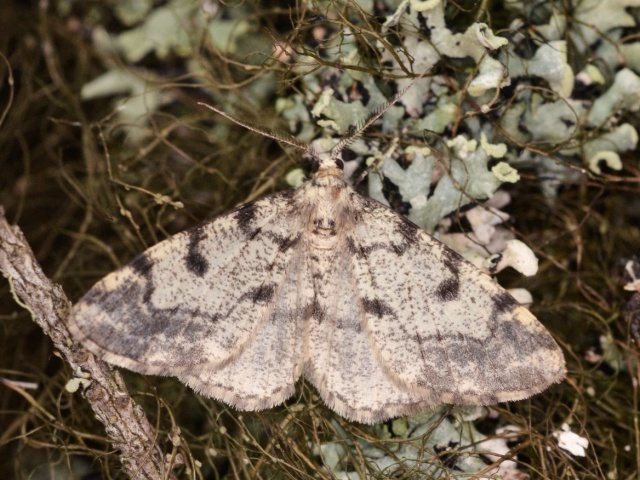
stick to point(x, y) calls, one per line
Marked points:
point(220, 298)
point(380, 317)
point(453, 335)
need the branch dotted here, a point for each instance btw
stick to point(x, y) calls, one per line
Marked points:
point(124, 421)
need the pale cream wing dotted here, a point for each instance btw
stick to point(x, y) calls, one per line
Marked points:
point(445, 329)
point(264, 372)
point(341, 360)
point(196, 298)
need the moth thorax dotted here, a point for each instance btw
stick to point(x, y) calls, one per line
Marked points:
point(324, 233)
point(327, 218)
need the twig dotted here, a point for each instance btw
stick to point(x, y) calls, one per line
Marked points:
point(124, 421)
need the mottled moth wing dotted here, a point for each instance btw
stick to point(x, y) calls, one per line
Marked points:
point(443, 329)
point(383, 319)
point(401, 323)
point(266, 367)
point(342, 362)
point(193, 304)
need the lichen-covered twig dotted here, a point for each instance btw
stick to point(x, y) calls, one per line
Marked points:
point(124, 421)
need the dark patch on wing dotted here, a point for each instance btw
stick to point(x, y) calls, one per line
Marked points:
point(316, 311)
point(196, 262)
point(409, 233)
point(131, 323)
point(452, 260)
point(481, 350)
point(134, 348)
point(351, 246)
point(142, 264)
point(263, 293)
point(526, 342)
point(420, 347)
point(407, 229)
point(119, 337)
point(254, 233)
point(448, 289)
point(377, 307)
point(245, 216)
point(148, 293)
point(511, 339)
point(358, 250)
point(93, 296)
point(503, 302)
point(285, 243)
point(158, 323)
point(128, 293)
point(289, 196)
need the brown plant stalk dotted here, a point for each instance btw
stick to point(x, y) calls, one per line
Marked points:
point(125, 422)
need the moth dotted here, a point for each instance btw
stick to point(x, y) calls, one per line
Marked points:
point(382, 318)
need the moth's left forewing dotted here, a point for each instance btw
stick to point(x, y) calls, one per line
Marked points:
point(439, 324)
point(264, 372)
point(196, 298)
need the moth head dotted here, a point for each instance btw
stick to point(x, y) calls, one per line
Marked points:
point(329, 165)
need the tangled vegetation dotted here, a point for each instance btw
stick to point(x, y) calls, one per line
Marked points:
point(106, 150)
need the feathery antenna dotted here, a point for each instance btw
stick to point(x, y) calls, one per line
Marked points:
point(335, 151)
point(377, 113)
point(278, 136)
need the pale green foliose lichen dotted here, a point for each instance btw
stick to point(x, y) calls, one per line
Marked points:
point(454, 436)
point(518, 86)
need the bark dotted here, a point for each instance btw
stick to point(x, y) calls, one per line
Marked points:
point(124, 421)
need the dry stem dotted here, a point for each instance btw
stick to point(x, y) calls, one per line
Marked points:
point(124, 421)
